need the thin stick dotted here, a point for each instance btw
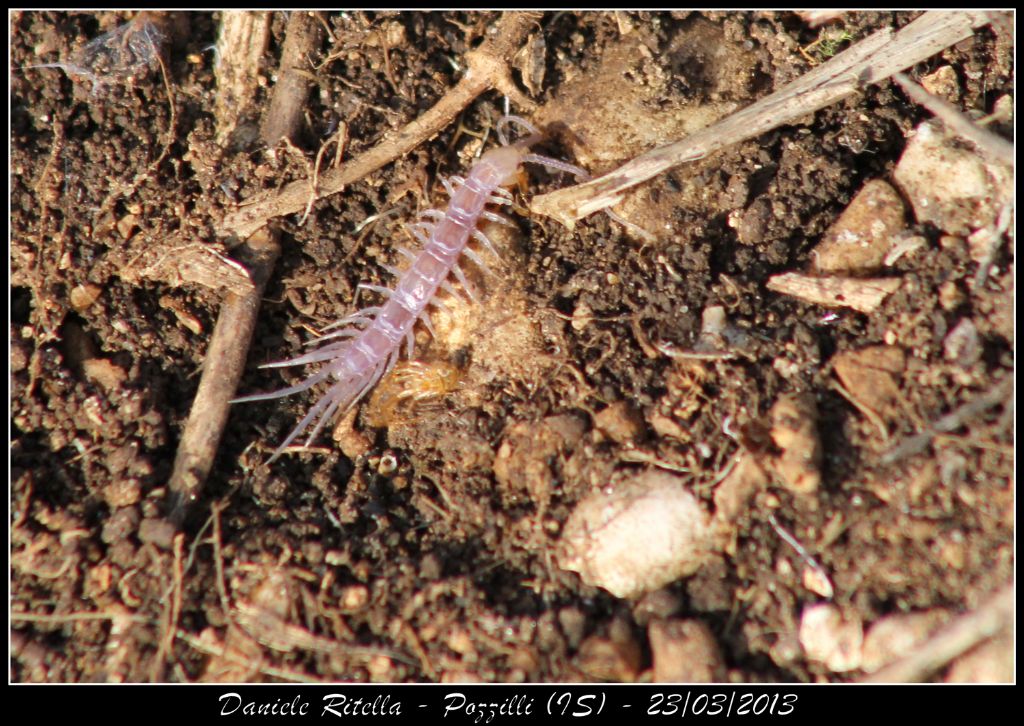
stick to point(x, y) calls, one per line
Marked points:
point(172, 610)
point(222, 370)
point(487, 68)
point(998, 148)
point(870, 61)
point(229, 344)
point(1002, 392)
point(287, 105)
point(955, 639)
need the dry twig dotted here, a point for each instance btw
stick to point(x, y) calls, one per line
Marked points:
point(487, 68)
point(1002, 392)
point(223, 368)
point(870, 61)
point(287, 105)
point(996, 147)
point(952, 641)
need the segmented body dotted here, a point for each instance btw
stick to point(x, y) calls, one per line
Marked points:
point(368, 343)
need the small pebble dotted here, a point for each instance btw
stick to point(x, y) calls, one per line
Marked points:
point(637, 535)
point(831, 639)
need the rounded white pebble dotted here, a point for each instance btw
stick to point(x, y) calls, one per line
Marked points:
point(637, 536)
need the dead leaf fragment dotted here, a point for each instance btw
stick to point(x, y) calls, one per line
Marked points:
point(871, 376)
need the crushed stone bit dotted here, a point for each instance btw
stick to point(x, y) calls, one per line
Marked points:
point(636, 535)
point(942, 82)
point(83, 296)
point(950, 185)
point(963, 344)
point(831, 639)
point(858, 242)
point(685, 651)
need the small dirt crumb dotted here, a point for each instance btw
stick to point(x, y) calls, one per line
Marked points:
point(684, 651)
point(122, 492)
point(620, 422)
point(612, 658)
point(105, 373)
point(157, 531)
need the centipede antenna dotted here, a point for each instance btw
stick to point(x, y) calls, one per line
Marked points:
point(579, 172)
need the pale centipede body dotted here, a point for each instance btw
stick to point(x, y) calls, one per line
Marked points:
point(365, 346)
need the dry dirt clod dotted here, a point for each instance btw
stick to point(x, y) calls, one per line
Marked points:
point(794, 420)
point(620, 422)
point(526, 455)
point(684, 651)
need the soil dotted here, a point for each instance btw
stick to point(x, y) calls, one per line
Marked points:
point(420, 542)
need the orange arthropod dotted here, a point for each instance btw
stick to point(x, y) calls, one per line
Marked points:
point(412, 389)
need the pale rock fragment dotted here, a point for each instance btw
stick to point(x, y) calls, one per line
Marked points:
point(858, 242)
point(950, 185)
point(831, 639)
point(637, 534)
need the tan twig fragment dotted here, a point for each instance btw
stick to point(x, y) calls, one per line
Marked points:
point(487, 68)
point(223, 368)
point(838, 292)
point(288, 104)
point(872, 60)
point(952, 641)
point(241, 44)
point(172, 610)
point(996, 147)
point(59, 618)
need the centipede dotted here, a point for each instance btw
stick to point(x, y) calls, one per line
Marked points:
point(358, 350)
